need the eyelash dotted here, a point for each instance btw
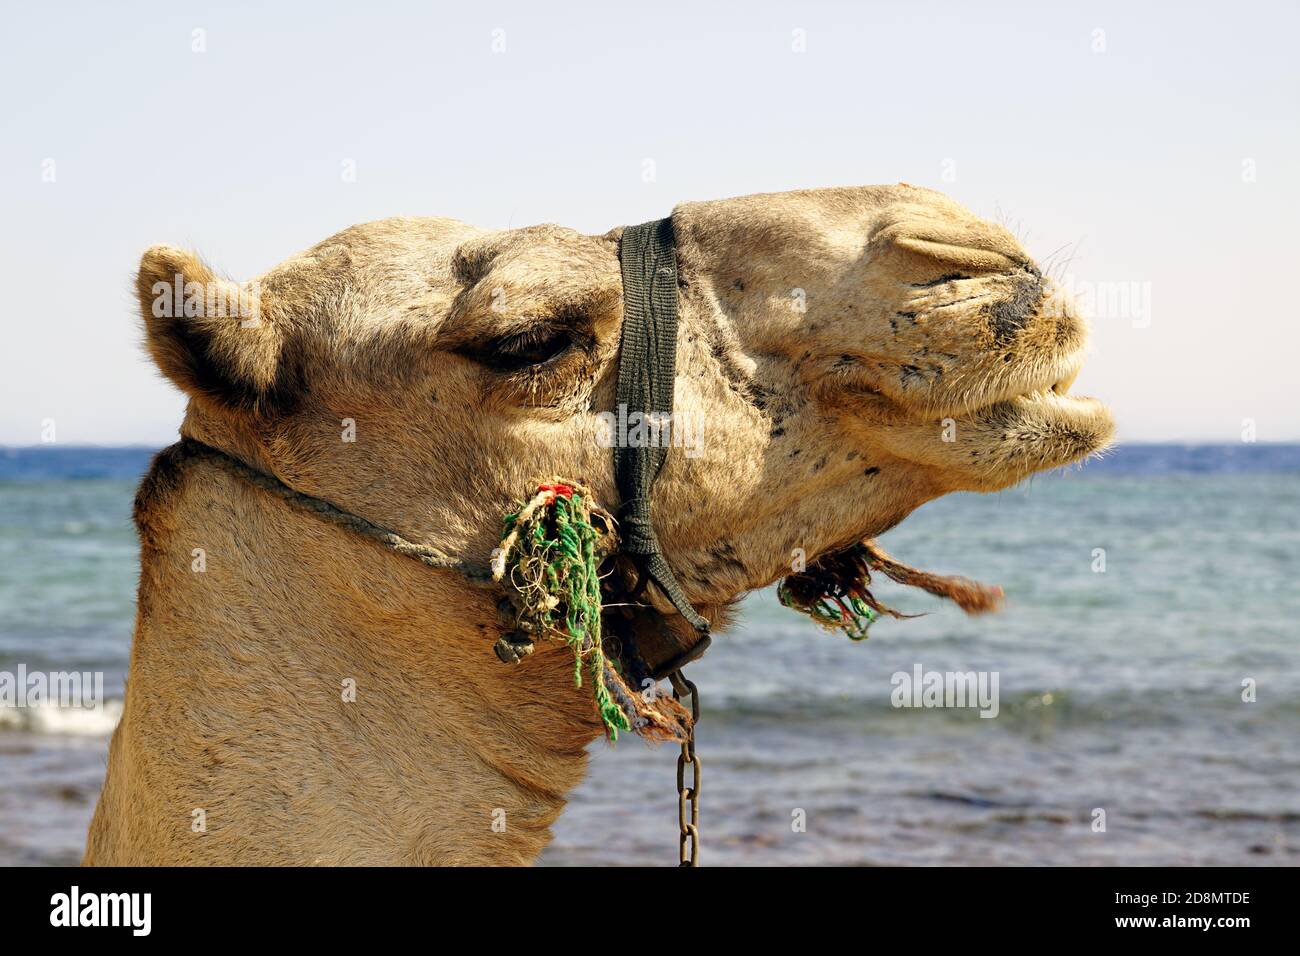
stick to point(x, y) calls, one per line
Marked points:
point(537, 344)
point(529, 349)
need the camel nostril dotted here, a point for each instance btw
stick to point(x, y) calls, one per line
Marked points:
point(941, 280)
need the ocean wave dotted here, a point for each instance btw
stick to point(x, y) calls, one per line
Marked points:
point(55, 721)
point(1026, 710)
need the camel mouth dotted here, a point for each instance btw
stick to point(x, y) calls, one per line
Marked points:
point(988, 439)
point(1055, 383)
point(1037, 382)
point(1048, 396)
point(1062, 385)
point(948, 357)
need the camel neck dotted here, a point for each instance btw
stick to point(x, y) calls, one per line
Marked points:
point(341, 702)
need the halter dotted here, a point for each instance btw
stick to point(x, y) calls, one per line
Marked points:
point(646, 375)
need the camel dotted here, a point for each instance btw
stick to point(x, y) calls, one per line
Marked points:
point(298, 695)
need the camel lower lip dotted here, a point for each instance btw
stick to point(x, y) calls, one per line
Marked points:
point(1085, 416)
point(1052, 398)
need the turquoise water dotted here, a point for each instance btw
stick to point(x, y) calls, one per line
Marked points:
point(1118, 690)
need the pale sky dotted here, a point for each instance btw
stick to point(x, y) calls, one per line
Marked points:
point(1156, 143)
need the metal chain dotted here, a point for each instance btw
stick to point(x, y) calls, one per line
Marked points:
point(688, 798)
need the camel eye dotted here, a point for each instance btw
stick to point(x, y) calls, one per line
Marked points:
point(524, 349)
point(547, 362)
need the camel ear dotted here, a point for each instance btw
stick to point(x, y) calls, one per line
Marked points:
point(208, 334)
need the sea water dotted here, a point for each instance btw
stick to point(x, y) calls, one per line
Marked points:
point(1147, 673)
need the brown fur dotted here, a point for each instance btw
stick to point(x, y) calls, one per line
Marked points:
point(824, 424)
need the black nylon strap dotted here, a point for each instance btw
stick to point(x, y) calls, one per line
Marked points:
point(646, 374)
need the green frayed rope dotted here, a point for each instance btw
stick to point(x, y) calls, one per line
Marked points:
point(550, 554)
point(849, 614)
point(833, 592)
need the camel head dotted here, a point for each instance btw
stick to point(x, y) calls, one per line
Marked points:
point(843, 356)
